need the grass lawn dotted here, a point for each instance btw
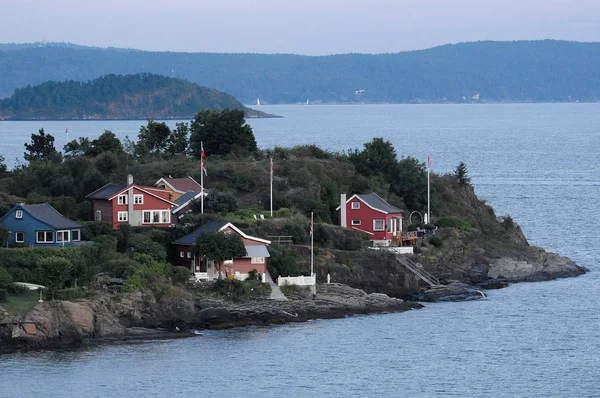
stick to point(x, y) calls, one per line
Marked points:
point(22, 303)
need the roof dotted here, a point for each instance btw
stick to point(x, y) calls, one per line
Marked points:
point(181, 184)
point(257, 251)
point(49, 215)
point(106, 191)
point(375, 202)
point(186, 197)
point(143, 189)
point(189, 239)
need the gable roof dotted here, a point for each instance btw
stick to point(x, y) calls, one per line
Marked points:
point(49, 215)
point(106, 191)
point(375, 202)
point(181, 185)
point(143, 189)
point(189, 239)
point(186, 199)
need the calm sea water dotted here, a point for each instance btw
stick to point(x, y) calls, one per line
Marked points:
point(537, 162)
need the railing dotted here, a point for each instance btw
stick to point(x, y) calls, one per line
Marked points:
point(410, 235)
point(282, 240)
point(418, 271)
point(297, 280)
point(201, 276)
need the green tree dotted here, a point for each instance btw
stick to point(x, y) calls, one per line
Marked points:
point(153, 138)
point(177, 143)
point(107, 142)
point(151, 248)
point(4, 235)
point(461, 174)
point(216, 202)
point(219, 246)
point(222, 133)
point(78, 147)
point(377, 158)
point(41, 148)
point(55, 272)
point(409, 181)
point(3, 168)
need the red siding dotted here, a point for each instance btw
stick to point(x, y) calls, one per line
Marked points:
point(150, 203)
point(105, 207)
point(366, 216)
point(244, 265)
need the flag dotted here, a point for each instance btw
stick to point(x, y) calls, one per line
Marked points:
point(311, 224)
point(428, 161)
point(272, 167)
point(67, 130)
point(203, 161)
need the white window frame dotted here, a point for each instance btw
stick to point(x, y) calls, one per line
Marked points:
point(355, 205)
point(73, 235)
point(45, 232)
point(182, 254)
point(375, 222)
point(257, 260)
point(122, 216)
point(189, 254)
point(98, 215)
point(19, 214)
point(356, 222)
point(17, 239)
point(138, 199)
point(60, 235)
point(161, 216)
point(390, 225)
point(122, 199)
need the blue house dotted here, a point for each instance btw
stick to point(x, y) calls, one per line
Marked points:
point(40, 225)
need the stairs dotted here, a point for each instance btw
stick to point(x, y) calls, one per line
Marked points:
point(418, 270)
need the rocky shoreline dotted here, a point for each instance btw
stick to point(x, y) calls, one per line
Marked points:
point(63, 324)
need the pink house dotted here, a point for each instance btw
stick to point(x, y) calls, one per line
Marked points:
point(204, 268)
point(372, 215)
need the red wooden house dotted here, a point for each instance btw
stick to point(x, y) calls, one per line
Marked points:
point(372, 215)
point(204, 268)
point(132, 204)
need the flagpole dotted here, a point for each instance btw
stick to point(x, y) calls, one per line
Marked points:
point(428, 171)
point(312, 245)
point(201, 178)
point(271, 187)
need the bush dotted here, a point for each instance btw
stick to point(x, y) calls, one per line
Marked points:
point(55, 271)
point(436, 241)
point(236, 290)
point(180, 274)
point(282, 213)
point(253, 276)
point(5, 278)
point(3, 295)
point(70, 294)
point(508, 222)
point(118, 268)
point(454, 222)
point(151, 248)
point(283, 263)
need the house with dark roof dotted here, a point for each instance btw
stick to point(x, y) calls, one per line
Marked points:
point(203, 268)
point(370, 214)
point(184, 202)
point(178, 186)
point(132, 204)
point(40, 225)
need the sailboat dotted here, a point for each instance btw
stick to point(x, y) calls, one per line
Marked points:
point(307, 102)
point(257, 101)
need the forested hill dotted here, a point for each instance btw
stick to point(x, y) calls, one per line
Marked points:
point(140, 96)
point(539, 71)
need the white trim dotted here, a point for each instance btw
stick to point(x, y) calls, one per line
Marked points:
point(20, 241)
point(355, 222)
point(120, 215)
point(124, 200)
point(175, 210)
point(62, 233)
point(257, 260)
point(236, 229)
point(78, 235)
point(182, 254)
point(355, 208)
point(379, 229)
point(140, 197)
point(143, 190)
point(98, 215)
point(160, 211)
point(45, 232)
point(19, 214)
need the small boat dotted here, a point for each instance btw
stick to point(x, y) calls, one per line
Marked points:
point(257, 101)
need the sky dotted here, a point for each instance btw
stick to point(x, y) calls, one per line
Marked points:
point(311, 27)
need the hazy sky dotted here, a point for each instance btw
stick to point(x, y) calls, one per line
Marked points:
point(291, 26)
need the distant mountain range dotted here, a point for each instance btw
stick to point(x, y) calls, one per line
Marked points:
point(519, 71)
point(139, 96)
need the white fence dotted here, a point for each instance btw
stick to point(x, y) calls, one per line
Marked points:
point(297, 280)
point(396, 249)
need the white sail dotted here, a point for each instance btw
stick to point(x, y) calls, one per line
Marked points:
point(307, 102)
point(257, 101)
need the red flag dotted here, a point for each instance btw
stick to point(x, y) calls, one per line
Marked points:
point(428, 161)
point(67, 130)
point(203, 161)
point(311, 224)
point(272, 167)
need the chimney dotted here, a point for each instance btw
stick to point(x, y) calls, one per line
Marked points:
point(343, 222)
point(129, 179)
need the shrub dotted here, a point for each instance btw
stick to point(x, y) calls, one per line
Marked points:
point(236, 290)
point(180, 274)
point(5, 278)
point(436, 241)
point(508, 222)
point(454, 222)
point(70, 294)
point(253, 276)
point(3, 295)
point(118, 267)
point(151, 248)
point(284, 263)
point(282, 213)
point(55, 271)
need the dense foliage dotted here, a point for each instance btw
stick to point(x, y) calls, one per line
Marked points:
point(498, 71)
point(137, 96)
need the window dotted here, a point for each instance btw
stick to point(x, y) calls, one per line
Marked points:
point(181, 254)
point(257, 260)
point(355, 205)
point(19, 214)
point(44, 236)
point(189, 255)
point(156, 216)
point(378, 225)
point(19, 237)
point(98, 215)
point(122, 199)
point(122, 216)
point(75, 235)
point(62, 236)
point(138, 199)
point(390, 225)
point(355, 222)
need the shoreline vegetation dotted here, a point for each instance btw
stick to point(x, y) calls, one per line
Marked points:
point(122, 286)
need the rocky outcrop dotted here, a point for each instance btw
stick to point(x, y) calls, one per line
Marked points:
point(139, 315)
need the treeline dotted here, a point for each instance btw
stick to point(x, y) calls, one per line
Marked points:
point(542, 71)
point(139, 96)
